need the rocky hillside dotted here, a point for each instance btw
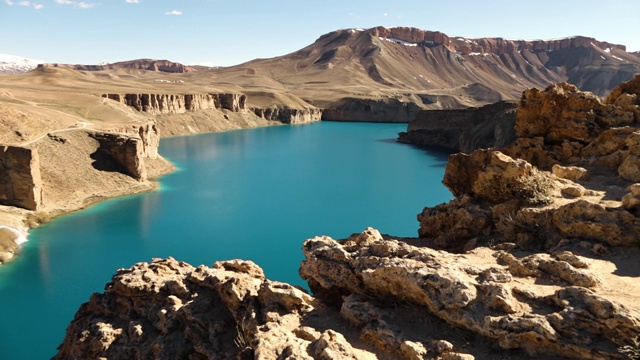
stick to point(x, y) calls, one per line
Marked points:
point(431, 70)
point(535, 257)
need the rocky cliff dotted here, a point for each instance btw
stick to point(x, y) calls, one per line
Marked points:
point(370, 110)
point(496, 46)
point(463, 130)
point(289, 115)
point(180, 103)
point(20, 177)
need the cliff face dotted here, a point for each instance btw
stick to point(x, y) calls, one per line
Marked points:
point(180, 103)
point(369, 110)
point(496, 46)
point(20, 177)
point(288, 115)
point(463, 130)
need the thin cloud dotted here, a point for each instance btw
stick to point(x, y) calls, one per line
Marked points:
point(8, 2)
point(24, 3)
point(84, 5)
point(132, 1)
point(173, 12)
point(77, 4)
point(38, 6)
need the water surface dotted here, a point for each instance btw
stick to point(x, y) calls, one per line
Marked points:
point(251, 194)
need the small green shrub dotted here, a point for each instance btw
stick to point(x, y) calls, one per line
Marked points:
point(631, 351)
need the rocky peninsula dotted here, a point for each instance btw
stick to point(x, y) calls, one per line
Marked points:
point(536, 256)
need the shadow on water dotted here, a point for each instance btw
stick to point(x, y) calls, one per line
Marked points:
point(439, 155)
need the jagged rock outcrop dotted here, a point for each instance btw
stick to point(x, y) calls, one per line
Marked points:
point(140, 64)
point(463, 130)
point(487, 45)
point(171, 310)
point(370, 110)
point(289, 115)
point(489, 299)
point(21, 184)
point(503, 196)
point(180, 103)
point(373, 298)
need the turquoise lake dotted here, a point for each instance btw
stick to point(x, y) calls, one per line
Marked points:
point(252, 194)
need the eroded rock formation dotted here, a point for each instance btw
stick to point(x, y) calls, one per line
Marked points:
point(504, 196)
point(180, 103)
point(289, 115)
point(463, 130)
point(126, 151)
point(20, 177)
point(487, 45)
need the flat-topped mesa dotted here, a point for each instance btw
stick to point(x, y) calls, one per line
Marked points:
point(487, 45)
point(180, 103)
point(139, 64)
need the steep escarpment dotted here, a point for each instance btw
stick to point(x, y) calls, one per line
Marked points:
point(20, 177)
point(463, 130)
point(180, 103)
point(371, 110)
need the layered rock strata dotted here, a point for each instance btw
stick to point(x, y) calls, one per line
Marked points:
point(487, 45)
point(20, 177)
point(289, 115)
point(463, 130)
point(180, 103)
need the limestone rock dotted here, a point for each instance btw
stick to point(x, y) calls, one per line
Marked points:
point(20, 181)
point(289, 115)
point(570, 172)
point(180, 103)
point(168, 309)
point(446, 286)
point(128, 152)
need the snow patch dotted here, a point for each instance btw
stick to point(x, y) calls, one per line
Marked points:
point(607, 50)
point(602, 57)
point(615, 57)
point(398, 41)
point(11, 64)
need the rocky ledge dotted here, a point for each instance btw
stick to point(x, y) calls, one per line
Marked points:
point(535, 256)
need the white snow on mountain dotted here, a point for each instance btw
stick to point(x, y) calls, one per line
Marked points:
point(11, 64)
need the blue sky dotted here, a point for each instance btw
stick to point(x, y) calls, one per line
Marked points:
point(227, 32)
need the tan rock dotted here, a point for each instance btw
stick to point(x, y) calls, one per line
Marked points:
point(570, 172)
point(20, 181)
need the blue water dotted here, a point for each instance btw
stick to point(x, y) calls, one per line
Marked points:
point(251, 194)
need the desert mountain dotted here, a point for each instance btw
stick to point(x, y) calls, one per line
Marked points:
point(11, 64)
point(139, 64)
point(435, 70)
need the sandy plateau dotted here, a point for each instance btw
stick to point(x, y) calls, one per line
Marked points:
point(535, 256)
